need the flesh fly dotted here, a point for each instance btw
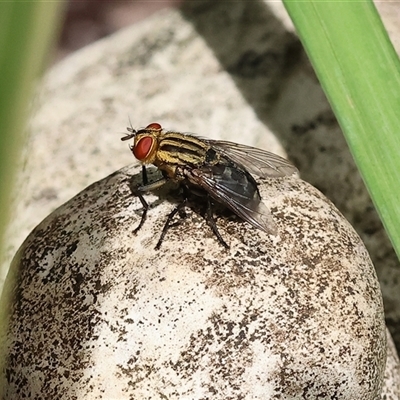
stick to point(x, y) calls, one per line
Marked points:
point(216, 170)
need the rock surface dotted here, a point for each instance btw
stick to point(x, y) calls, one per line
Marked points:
point(99, 313)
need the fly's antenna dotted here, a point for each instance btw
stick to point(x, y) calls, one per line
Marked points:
point(131, 134)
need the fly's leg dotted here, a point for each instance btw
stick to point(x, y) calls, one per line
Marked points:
point(211, 221)
point(144, 176)
point(178, 209)
point(182, 213)
point(186, 195)
point(145, 205)
point(138, 190)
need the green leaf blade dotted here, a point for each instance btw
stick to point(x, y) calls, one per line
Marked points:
point(360, 73)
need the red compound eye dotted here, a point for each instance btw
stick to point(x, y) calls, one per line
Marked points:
point(155, 126)
point(143, 147)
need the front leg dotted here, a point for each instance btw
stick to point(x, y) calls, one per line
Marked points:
point(145, 187)
point(144, 176)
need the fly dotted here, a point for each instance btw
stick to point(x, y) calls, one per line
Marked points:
point(217, 170)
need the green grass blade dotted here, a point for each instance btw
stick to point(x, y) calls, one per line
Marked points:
point(26, 30)
point(360, 73)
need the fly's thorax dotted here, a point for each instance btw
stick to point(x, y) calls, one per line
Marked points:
point(181, 149)
point(169, 171)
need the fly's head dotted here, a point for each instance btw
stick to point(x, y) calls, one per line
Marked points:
point(145, 142)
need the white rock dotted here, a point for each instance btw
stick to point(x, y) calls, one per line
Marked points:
point(99, 313)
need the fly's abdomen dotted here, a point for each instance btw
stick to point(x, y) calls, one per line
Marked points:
point(237, 181)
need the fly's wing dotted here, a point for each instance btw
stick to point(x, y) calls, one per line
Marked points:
point(256, 161)
point(237, 190)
